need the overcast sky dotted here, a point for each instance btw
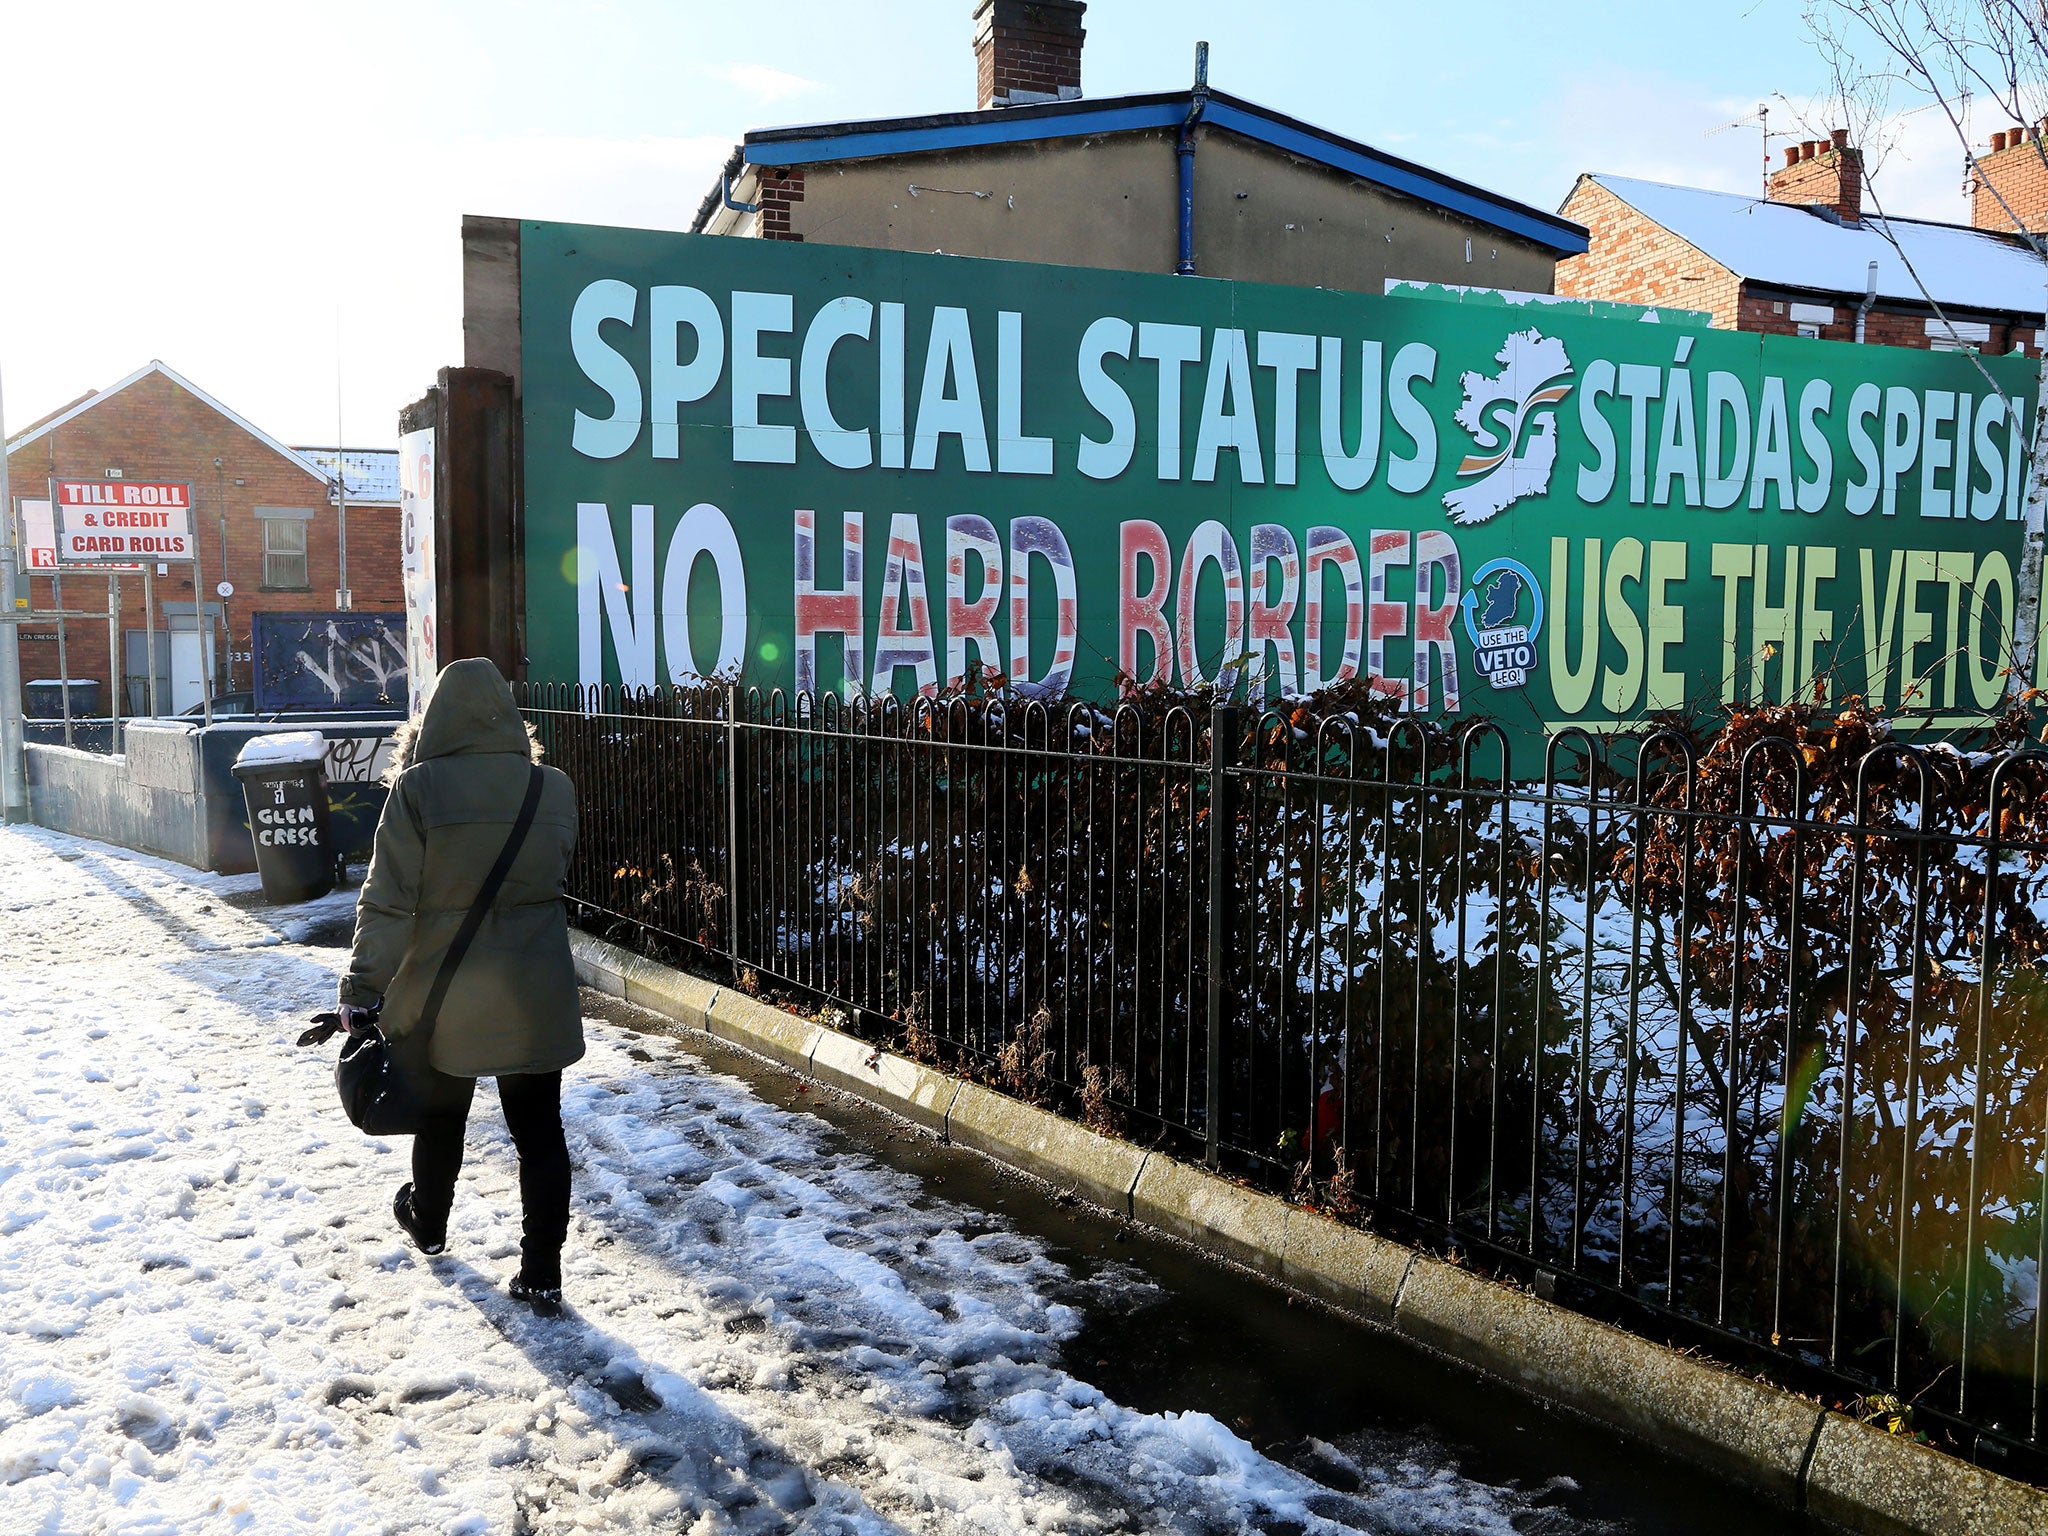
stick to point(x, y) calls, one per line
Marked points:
point(266, 196)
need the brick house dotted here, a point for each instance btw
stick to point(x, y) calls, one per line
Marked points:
point(1194, 180)
point(1807, 260)
point(268, 518)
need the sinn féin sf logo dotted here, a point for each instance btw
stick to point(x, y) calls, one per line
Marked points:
point(1503, 641)
point(1497, 407)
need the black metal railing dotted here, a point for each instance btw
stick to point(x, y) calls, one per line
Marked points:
point(1750, 1047)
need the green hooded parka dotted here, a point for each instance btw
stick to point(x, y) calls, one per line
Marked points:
point(512, 1006)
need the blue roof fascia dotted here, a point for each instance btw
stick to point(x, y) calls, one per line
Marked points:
point(923, 138)
point(1398, 178)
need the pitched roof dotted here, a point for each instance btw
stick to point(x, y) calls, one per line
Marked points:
point(1793, 246)
point(818, 143)
point(371, 474)
point(79, 407)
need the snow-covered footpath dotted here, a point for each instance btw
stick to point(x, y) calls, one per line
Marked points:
point(209, 1323)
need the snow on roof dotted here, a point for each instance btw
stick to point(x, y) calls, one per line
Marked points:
point(371, 474)
point(1789, 245)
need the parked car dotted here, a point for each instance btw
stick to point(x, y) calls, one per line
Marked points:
point(226, 704)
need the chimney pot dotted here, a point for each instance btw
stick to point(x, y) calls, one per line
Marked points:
point(1812, 147)
point(1791, 156)
point(1998, 141)
point(1839, 137)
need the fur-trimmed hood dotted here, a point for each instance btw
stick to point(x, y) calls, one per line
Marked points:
point(469, 708)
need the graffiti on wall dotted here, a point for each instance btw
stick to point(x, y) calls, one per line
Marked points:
point(358, 759)
point(330, 660)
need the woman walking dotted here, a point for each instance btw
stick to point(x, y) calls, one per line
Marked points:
point(464, 779)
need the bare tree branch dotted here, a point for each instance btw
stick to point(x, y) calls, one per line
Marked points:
point(1946, 52)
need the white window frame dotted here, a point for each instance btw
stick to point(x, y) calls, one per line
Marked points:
point(276, 561)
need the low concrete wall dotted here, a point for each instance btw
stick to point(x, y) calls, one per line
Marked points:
point(171, 790)
point(1848, 1476)
point(147, 799)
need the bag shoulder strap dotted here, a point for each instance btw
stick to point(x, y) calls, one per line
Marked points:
point(473, 920)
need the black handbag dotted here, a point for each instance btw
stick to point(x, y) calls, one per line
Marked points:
point(376, 1093)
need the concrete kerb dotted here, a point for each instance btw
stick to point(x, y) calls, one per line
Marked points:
point(598, 964)
point(780, 1036)
point(1345, 1266)
point(915, 1092)
point(1213, 1214)
point(1754, 1434)
point(1062, 1153)
point(1874, 1484)
point(688, 999)
point(1848, 1476)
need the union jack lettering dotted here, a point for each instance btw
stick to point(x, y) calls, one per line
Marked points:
point(1042, 537)
point(1331, 546)
point(1390, 547)
point(829, 613)
point(972, 623)
point(898, 646)
point(1210, 543)
point(1436, 550)
point(1143, 613)
point(1272, 622)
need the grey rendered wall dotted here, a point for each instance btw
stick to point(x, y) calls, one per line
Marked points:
point(149, 799)
point(1260, 215)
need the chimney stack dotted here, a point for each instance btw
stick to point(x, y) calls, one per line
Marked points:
point(1827, 172)
point(2011, 174)
point(1026, 51)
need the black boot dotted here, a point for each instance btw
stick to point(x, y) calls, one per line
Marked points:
point(545, 1300)
point(408, 1217)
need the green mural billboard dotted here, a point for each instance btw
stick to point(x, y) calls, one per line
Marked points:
point(831, 468)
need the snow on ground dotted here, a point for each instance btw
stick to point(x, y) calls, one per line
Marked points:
point(208, 1321)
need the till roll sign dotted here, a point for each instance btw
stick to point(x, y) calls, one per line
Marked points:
point(122, 521)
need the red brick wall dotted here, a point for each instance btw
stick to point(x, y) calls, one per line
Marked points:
point(155, 430)
point(1888, 325)
point(780, 189)
point(1633, 260)
point(1026, 45)
point(2020, 175)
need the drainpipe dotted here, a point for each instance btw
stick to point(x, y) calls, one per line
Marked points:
point(1869, 303)
point(1198, 101)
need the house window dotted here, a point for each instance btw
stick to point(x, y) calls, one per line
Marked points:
point(284, 553)
point(1809, 330)
point(1957, 335)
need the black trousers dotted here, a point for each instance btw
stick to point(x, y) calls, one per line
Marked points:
point(533, 1114)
